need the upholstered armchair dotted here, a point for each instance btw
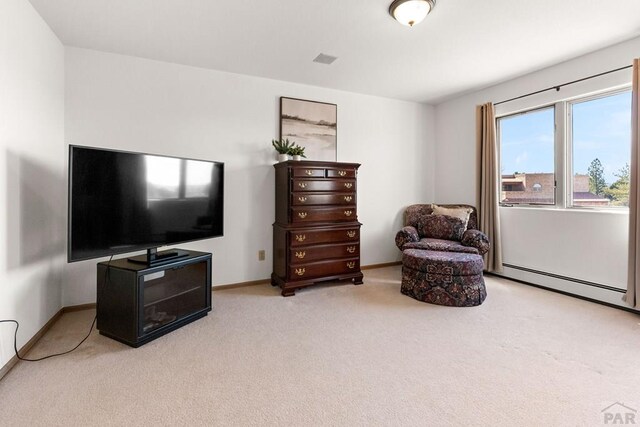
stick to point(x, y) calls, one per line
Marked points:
point(441, 233)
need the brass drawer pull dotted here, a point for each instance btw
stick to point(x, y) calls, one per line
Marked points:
point(302, 199)
point(351, 264)
point(348, 198)
point(309, 172)
point(301, 237)
point(301, 254)
point(351, 234)
point(348, 185)
point(348, 213)
point(302, 215)
point(351, 249)
point(300, 271)
point(302, 184)
point(342, 173)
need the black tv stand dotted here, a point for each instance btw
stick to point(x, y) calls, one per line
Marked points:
point(137, 303)
point(153, 257)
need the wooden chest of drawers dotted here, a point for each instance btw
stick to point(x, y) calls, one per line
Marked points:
point(316, 236)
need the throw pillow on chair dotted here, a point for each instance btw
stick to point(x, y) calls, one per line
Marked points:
point(442, 227)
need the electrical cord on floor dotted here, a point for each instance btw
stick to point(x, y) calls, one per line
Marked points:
point(15, 345)
point(15, 334)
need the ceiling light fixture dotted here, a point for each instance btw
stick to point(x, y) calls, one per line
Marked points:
point(411, 12)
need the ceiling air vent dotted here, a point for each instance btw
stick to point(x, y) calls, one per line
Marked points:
point(325, 59)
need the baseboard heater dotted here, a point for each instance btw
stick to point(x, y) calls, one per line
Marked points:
point(570, 279)
point(614, 299)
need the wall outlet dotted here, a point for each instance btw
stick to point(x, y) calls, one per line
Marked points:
point(261, 255)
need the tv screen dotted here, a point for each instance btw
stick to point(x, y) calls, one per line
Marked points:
point(124, 202)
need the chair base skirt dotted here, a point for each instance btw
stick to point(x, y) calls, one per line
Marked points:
point(449, 290)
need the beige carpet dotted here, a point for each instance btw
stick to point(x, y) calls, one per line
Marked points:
point(343, 355)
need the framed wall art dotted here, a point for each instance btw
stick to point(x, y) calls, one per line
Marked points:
point(312, 125)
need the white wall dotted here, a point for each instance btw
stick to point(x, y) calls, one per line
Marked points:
point(590, 246)
point(32, 181)
point(136, 104)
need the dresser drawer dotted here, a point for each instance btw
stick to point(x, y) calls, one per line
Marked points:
point(317, 253)
point(315, 214)
point(304, 238)
point(323, 268)
point(303, 199)
point(309, 172)
point(341, 173)
point(299, 184)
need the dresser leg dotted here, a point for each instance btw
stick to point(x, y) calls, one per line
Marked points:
point(358, 280)
point(288, 292)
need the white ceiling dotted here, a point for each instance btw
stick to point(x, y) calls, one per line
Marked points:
point(462, 45)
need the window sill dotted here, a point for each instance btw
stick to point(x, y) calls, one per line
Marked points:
point(587, 210)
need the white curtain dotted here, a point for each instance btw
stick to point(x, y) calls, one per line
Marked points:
point(488, 182)
point(632, 297)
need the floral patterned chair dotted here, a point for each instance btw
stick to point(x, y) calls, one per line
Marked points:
point(433, 233)
point(442, 257)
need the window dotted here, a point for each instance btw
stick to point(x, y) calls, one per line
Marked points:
point(582, 162)
point(600, 137)
point(527, 157)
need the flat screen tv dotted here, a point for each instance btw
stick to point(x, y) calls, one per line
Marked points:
point(124, 202)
